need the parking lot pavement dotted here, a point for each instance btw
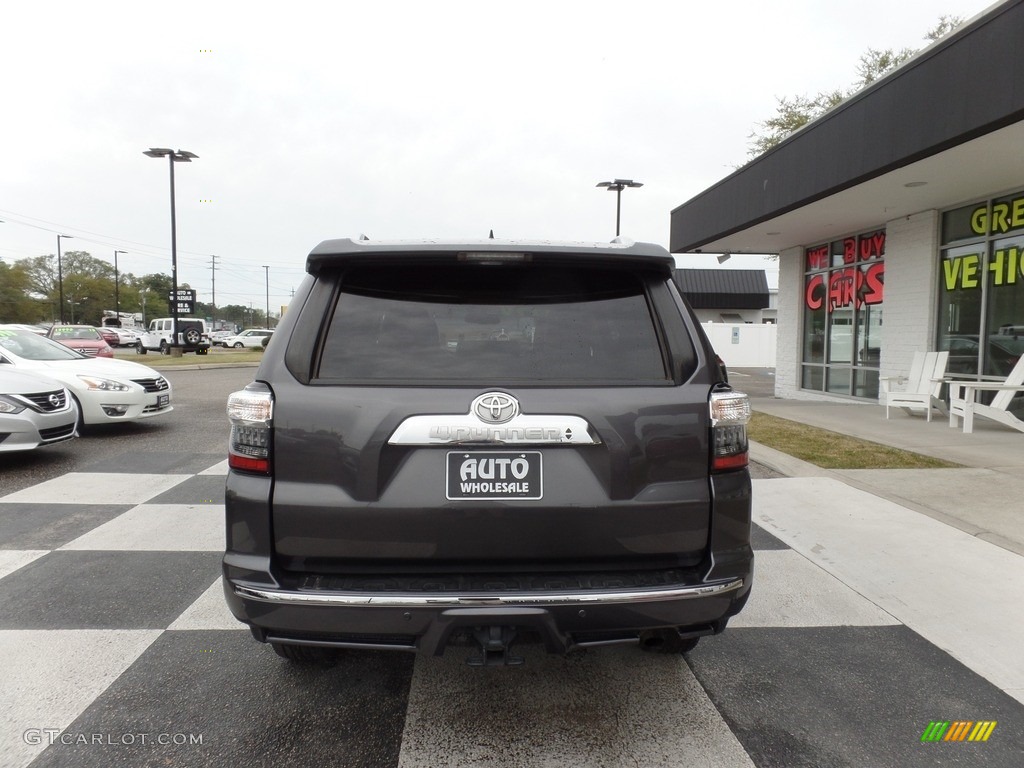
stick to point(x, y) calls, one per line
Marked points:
point(118, 650)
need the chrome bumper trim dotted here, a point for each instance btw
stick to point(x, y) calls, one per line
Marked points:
point(461, 601)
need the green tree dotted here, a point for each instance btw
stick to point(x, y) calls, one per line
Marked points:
point(793, 113)
point(88, 284)
point(17, 303)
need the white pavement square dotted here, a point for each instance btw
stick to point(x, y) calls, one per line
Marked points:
point(210, 611)
point(48, 678)
point(159, 528)
point(791, 591)
point(97, 488)
point(956, 591)
point(13, 559)
point(612, 708)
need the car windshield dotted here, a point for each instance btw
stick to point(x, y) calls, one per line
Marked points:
point(30, 346)
point(75, 333)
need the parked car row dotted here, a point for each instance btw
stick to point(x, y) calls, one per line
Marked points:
point(250, 337)
point(60, 386)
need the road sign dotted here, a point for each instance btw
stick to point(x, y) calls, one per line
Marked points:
point(184, 294)
point(186, 307)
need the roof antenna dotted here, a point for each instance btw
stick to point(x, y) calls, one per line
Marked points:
point(491, 236)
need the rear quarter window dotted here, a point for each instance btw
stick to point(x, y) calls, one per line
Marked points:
point(484, 323)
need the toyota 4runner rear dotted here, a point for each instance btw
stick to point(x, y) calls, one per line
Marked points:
point(490, 442)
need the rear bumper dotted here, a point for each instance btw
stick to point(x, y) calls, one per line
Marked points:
point(698, 602)
point(428, 623)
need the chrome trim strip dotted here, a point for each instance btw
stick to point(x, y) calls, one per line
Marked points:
point(518, 599)
point(467, 429)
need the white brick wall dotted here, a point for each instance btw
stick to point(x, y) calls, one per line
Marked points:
point(911, 290)
point(791, 302)
point(908, 312)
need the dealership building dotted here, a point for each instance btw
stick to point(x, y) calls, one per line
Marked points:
point(897, 217)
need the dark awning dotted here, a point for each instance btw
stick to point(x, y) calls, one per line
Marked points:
point(724, 288)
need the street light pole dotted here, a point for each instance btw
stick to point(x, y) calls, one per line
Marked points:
point(617, 186)
point(117, 300)
point(60, 278)
point(173, 157)
point(266, 271)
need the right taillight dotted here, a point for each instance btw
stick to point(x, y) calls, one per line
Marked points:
point(730, 412)
point(251, 414)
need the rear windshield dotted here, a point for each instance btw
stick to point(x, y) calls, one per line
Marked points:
point(485, 322)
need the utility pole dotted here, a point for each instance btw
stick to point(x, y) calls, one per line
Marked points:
point(213, 286)
point(266, 270)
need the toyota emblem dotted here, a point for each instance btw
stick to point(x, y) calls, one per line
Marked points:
point(495, 407)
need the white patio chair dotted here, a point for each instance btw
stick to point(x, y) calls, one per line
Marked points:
point(921, 386)
point(963, 396)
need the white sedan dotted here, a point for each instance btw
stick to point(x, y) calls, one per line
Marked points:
point(34, 411)
point(106, 390)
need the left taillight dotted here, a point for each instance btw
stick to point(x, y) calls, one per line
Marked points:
point(251, 412)
point(730, 412)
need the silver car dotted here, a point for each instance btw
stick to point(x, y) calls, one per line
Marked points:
point(34, 411)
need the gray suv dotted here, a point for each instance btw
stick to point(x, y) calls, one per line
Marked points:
point(489, 443)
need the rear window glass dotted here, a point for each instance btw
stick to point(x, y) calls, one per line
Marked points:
point(478, 322)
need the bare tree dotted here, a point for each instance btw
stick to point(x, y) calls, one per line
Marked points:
point(793, 113)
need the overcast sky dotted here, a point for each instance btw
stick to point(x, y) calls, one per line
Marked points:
point(316, 120)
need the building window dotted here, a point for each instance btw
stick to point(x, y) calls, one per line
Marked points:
point(844, 284)
point(981, 286)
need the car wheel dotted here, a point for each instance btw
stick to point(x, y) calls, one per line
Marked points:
point(666, 641)
point(192, 337)
point(139, 348)
point(202, 351)
point(164, 349)
point(238, 345)
point(305, 654)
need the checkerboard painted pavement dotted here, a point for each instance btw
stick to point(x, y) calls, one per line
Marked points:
point(117, 649)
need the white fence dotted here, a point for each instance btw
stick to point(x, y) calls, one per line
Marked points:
point(744, 345)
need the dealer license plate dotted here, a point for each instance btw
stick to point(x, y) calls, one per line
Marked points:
point(162, 401)
point(494, 475)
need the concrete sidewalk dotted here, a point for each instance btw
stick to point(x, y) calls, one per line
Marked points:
point(985, 498)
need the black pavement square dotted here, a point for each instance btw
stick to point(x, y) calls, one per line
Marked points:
point(105, 590)
point(200, 489)
point(158, 462)
point(761, 539)
point(49, 526)
point(220, 698)
point(851, 696)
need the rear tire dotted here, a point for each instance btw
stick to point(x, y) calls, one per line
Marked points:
point(238, 345)
point(305, 654)
point(164, 349)
point(140, 349)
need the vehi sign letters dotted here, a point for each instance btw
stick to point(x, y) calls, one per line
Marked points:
point(186, 300)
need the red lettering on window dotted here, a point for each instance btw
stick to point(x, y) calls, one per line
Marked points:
point(842, 288)
point(872, 246)
point(817, 258)
point(849, 250)
point(874, 284)
point(814, 295)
